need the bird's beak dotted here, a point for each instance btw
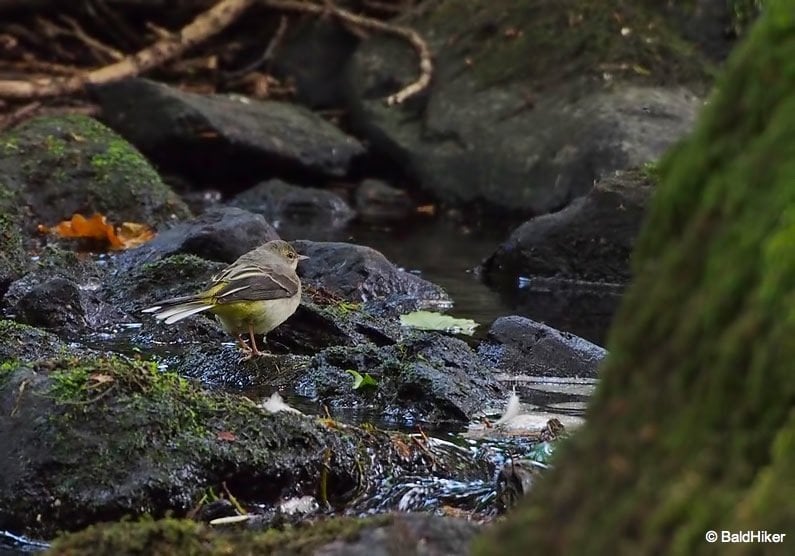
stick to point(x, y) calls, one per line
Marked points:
point(302, 257)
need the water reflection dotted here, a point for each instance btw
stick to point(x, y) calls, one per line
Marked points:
point(448, 253)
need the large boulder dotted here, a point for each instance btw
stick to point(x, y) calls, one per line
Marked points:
point(58, 166)
point(528, 106)
point(225, 139)
point(95, 439)
point(589, 240)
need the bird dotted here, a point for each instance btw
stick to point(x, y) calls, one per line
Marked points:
point(253, 295)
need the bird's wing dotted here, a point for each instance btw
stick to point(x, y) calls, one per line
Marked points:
point(255, 283)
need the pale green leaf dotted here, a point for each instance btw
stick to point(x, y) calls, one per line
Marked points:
point(360, 381)
point(430, 320)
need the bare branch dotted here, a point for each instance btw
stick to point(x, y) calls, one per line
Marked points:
point(203, 26)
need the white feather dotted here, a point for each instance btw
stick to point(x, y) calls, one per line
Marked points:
point(174, 314)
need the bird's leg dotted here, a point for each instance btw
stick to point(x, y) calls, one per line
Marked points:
point(248, 353)
point(254, 350)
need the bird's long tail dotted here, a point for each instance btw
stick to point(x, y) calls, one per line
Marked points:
point(176, 309)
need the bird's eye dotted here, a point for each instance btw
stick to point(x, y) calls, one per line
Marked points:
point(290, 255)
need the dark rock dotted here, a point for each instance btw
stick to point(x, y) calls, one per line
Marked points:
point(55, 303)
point(525, 124)
point(713, 25)
point(589, 240)
point(225, 139)
point(134, 289)
point(376, 201)
point(220, 234)
point(517, 345)
point(294, 207)
point(428, 377)
point(421, 377)
point(360, 273)
point(62, 293)
point(311, 56)
point(98, 439)
point(58, 166)
point(26, 343)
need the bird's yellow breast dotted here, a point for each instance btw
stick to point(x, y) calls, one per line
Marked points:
point(262, 316)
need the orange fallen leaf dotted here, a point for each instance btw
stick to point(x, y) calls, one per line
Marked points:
point(97, 227)
point(226, 436)
point(133, 234)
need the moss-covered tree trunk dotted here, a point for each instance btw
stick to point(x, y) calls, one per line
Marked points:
point(693, 426)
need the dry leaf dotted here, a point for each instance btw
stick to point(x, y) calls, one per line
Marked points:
point(132, 234)
point(97, 227)
point(226, 436)
point(100, 378)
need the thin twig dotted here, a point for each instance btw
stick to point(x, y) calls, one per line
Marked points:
point(266, 56)
point(94, 44)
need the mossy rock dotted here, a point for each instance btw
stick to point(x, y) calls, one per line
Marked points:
point(692, 428)
point(14, 259)
point(100, 438)
point(550, 41)
point(531, 101)
point(58, 166)
point(385, 534)
point(26, 343)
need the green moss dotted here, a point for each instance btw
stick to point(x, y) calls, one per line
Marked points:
point(172, 536)
point(651, 172)
point(695, 401)
point(115, 425)
point(74, 163)
point(69, 385)
point(552, 41)
point(172, 276)
point(55, 145)
point(343, 308)
point(7, 368)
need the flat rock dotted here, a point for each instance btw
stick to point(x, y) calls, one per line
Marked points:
point(518, 345)
point(225, 138)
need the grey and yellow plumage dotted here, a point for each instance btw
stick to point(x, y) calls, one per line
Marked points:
point(253, 295)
